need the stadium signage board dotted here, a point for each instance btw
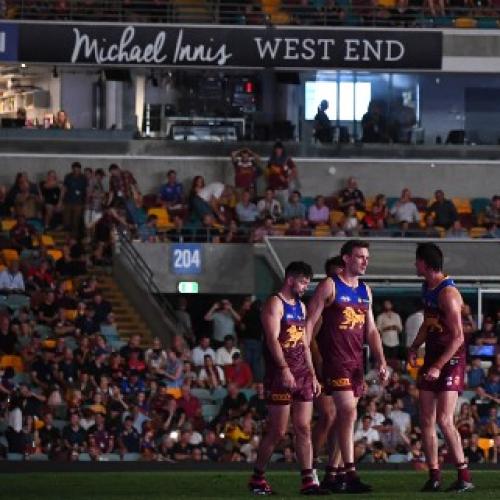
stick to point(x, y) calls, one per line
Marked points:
point(221, 46)
point(186, 258)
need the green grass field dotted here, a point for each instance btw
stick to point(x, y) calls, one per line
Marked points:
point(230, 484)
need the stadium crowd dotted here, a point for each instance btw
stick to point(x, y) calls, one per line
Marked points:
point(302, 12)
point(71, 389)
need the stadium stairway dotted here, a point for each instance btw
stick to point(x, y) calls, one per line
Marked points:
point(128, 319)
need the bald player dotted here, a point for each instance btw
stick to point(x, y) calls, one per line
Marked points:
point(346, 305)
point(441, 377)
point(290, 382)
point(323, 430)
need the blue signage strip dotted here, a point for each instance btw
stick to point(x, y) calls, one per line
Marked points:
point(186, 259)
point(9, 41)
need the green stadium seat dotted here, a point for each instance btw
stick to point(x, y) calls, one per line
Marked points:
point(84, 457)
point(60, 424)
point(39, 457)
point(202, 394)
point(248, 393)
point(468, 394)
point(487, 23)
point(219, 394)
point(15, 457)
point(443, 21)
point(397, 458)
point(275, 457)
point(4, 442)
point(131, 457)
point(479, 204)
point(209, 412)
point(110, 457)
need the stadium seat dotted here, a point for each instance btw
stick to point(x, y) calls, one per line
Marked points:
point(465, 22)
point(202, 394)
point(15, 457)
point(308, 201)
point(8, 224)
point(322, 230)
point(15, 301)
point(38, 457)
point(84, 457)
point(48, 241)
point(15, 362)
point(413, 371)
point(275, 457)
point(477, 232)
point(332, 202)
point(397, 458)
point(485, 444)
point(59, 424)
point(487, 23)
point(219, 394)
point(55, 253)
point(209, 412)
point(248, 393)
point(70, 314)
point(9, 254)
point(336, 217)
point(163, 221)
point(468, 394)
point(110, 457)
point(131, 457)
point(479, 204)
point(462, 205)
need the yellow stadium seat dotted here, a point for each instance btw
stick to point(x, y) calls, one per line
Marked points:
point(322, 230)
point(369, 201)
point(15, 362)
point(48, 241)
point(161, 213)
point(8, 224)
point(414, 371)
point(9, 254)
point(175, 392)
point(336, 217)
point(49, 344)
point(477, 232)
point(360, 215)
point(465, 22)
point(462, 205)
point(485, 444)
point(55, 253)
point(68, 285)
point(70, 314)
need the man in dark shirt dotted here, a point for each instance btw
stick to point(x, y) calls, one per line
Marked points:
point(257, 404)
point(75, 191)
point(8, 338)
point(171, 193)
point(443, 211)
point(351, 195)
point(129, 439)
point(234, 404)
point(42, 372)
point(68, 369)
point(102, 308)
point(74, 436)
point(86, 325)
point(133, 345)
point(472, 452)
point(48, 310)
point(210, 448)
point(30, 402)
point(179, 234)
point(50, 436)
point(182, 449)
point(322, 127)
point(98, 367)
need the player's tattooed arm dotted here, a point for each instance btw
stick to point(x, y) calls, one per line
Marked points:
point(450, 302)
point(375, 342)
point(271, 315)
point(324, 291)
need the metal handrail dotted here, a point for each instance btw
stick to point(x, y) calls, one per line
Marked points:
point(344, 13)
point(144, 273)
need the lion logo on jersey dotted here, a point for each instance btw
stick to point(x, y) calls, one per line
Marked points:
point(351, 319)
point(432, 324)
point(295, 334)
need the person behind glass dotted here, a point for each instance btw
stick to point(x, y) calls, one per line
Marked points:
point(61, 121)
point(374, 124)
point(281, 172)
point(51, 190)
point(323, 131)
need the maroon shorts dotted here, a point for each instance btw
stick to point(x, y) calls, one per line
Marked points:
point(450, 379)
point(276, 394)
point(344, 377)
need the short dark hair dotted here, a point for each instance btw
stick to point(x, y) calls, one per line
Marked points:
point(298, 268)
point(112, 167)
point(431, 254)
point(350, 245)
point(76, 164)
point(171, 171)
point(333, 262)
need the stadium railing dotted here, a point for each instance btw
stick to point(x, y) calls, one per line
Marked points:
point(270, 12)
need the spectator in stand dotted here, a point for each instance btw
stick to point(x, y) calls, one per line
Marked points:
point(392, 439)
point(61, 121)
point(239, 372)
point(129, 438)
point(323, 130)
point(319, 212)
point(22, 234)
point(95, 199)
point(246, 210)
point(48, 310)
point(189, 404)
point(211, 375)
point(74, 437)
point(224, 318)
point(374, 124)
point(472, 452)
point(224, 354)
point(294, 208)
point(405, 211)
point(265, 229)
point(123, 188)
point(376, 218)
point(172, 193)
point(102, 308)
point(11, 279)
point(201, 350)
point(197, 184)
point(401, 418)
point(475, 374)
point(351, 196)
point(133, 345)
point(457, 231)
point(184, 323)
point(350, 224)
point(297, 227)
point(182, 449)
point(250, 334)
point(51, 190)
point(269, 206)
point(148, 232)
point(210, 448)
point(174, 374)
point(367, 432)
point(209, 199)
point(74, 197)
point(258, 403)
point(247, 168)
point(492, 211)
point(281, 172)
point(4, 204)
point(390, 326)
point(234, 405)
point(413, 323)
point(482, 403)
point(464, 421)
point(8, 338)
point(487, 335)
point(209, 232)
point(27, 202)
point(179, 233)
point(443, 210)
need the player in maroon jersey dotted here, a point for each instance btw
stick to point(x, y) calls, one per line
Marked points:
point(323, 429)
point(344, 301)
point(441, 377)
point(290, 380)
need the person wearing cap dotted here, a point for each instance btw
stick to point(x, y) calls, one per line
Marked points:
point(239, 372)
